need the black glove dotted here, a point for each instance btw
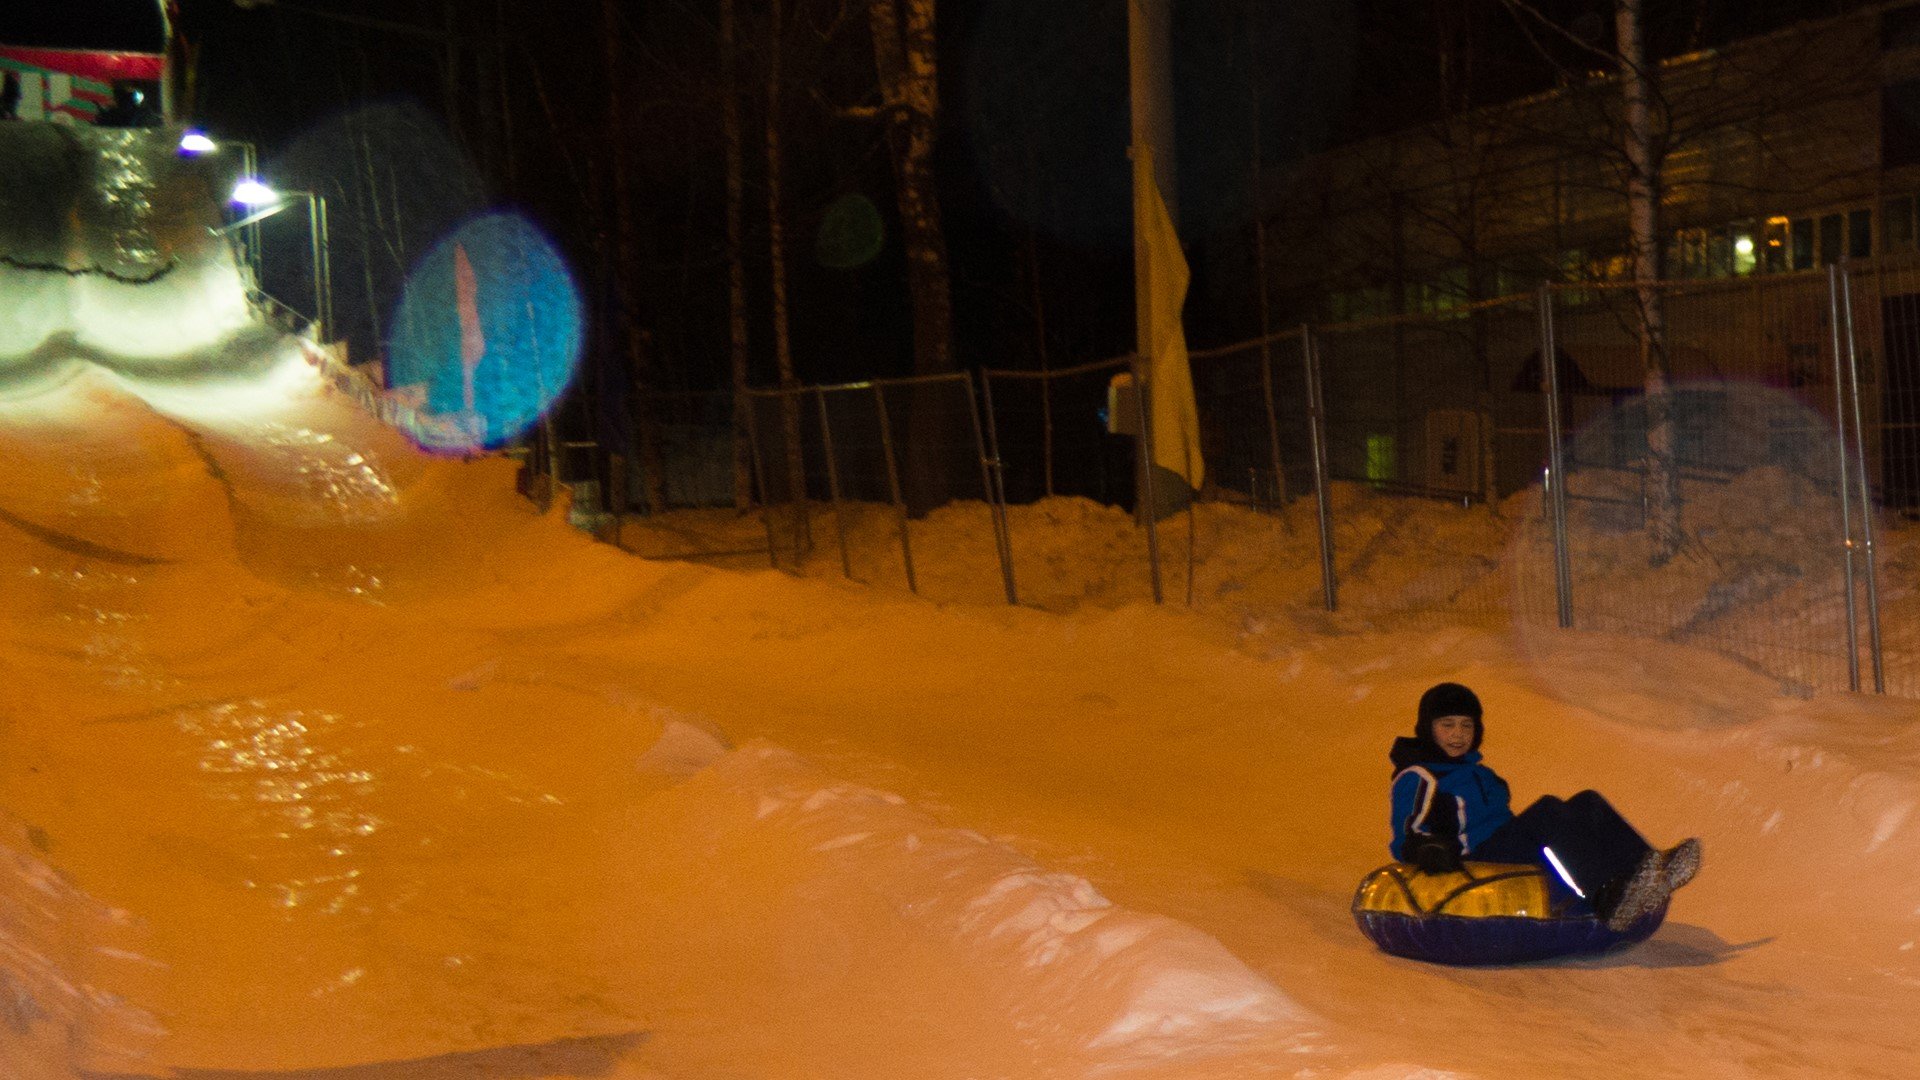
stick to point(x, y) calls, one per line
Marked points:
point(1436, 856)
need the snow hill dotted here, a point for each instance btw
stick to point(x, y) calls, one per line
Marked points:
point(324, 754)
point(323, 758)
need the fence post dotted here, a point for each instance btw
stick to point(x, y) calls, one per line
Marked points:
point(1317, 428)
point(1846, 478)
point(893, 482)
point(1046, 425)
point(1002, 542)
point(1866, 493)
point(1273, 423)
point(1143, 492)
point(999, 472)
point(760, 476)
point(833, 483)
point(1556, 485)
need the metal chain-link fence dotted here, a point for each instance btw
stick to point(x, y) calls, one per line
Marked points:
point(892, 450)
point(1756, 569)
point(1495, 460)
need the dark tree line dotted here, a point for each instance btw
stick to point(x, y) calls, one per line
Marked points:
point(686, 155)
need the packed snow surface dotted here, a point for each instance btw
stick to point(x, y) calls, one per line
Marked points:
point(325, 758)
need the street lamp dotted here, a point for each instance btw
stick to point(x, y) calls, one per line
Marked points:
point(265, 201)
point(197, 143)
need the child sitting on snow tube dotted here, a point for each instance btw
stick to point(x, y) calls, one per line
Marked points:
point(1447, 806)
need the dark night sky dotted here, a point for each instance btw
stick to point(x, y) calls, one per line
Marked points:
point(1032, 161)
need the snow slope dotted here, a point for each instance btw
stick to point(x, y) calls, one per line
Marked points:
point(326, 755)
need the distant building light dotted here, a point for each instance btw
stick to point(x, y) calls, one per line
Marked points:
point(1743, 245)
point(195, 142)
point(1777, 219)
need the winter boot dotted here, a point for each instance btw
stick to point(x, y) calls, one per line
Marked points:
point(1645, 890)
point(1653, 882)
point(1680, 862)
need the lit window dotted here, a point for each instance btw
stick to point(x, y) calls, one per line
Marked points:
point(1773, 246)
point(1745, 253)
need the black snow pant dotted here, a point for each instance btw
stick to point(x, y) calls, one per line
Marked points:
point(1583, 842)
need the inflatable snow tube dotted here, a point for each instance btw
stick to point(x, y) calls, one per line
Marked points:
point(1488, 913)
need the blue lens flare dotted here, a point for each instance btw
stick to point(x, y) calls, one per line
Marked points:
point(488, 334)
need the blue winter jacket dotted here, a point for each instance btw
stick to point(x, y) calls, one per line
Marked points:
point(1455, 799)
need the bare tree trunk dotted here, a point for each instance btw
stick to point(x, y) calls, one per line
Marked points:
point(509, 163)
point(1643, 219)
point(777, 255)
point(653, 486)
point(1031, 248)
point(736, 257)
point(903, 54)
point(450, 73)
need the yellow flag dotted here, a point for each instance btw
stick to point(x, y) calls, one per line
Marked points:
point(1160, 279)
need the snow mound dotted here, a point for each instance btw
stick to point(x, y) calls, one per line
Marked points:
point(1077, 980)
point(60, 949)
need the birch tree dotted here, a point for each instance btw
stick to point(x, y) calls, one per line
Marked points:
point(1643, 155)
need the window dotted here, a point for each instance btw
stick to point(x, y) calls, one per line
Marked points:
point(1900, 30)
point(1720, 252)
point(1801, 236)
point(1896, 224)
point(1745, 254)
point(1830, 226)
point(1900, 124)
point(1774, 250)
point(1859, 234)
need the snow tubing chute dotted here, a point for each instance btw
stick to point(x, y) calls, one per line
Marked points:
point(1487, 913)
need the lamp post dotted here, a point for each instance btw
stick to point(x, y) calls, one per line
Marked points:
point(267, 201)
point(195, 143)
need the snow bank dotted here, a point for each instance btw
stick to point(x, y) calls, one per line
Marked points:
point(1037, 957)
point(60, 952)
point(387, 771)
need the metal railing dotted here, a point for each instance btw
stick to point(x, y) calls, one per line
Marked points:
point(1789, 439)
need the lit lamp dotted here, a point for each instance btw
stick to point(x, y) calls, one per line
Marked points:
point(264, 201)
point(195, 143)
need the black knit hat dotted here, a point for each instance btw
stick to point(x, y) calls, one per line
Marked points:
point(1448, 699)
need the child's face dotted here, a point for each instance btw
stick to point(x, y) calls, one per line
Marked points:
point(1454, 734)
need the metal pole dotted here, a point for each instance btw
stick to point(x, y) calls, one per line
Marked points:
point(325, 268)
point(1317, 427)
point(1846, 503)
point(999, 471)
point(760, 477)
point(893, 482)
point(1001, 543)
point(1046, 427)
point(1866, 494)
point(315, 226)
point(1146, 475)
point(1556, 485)
point(250, 234)
point(833, 484)
point(1192, 540)
point(1273, 422)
